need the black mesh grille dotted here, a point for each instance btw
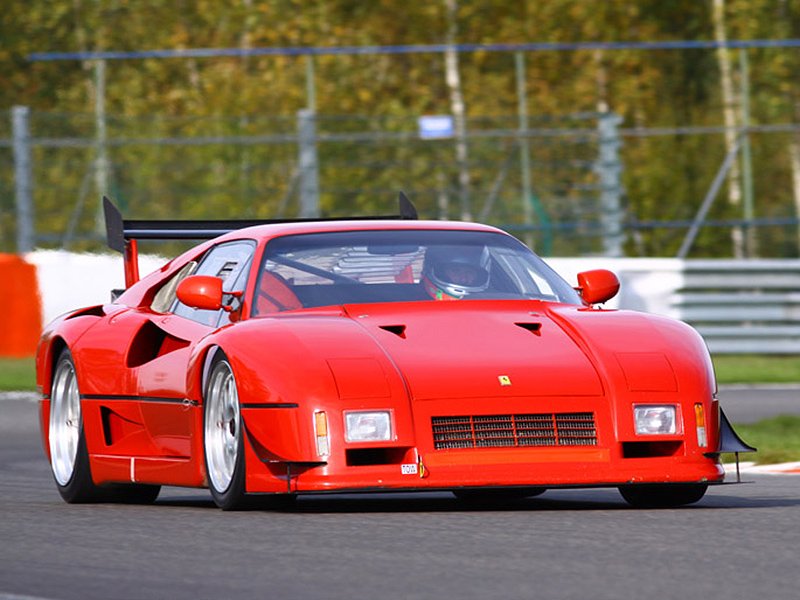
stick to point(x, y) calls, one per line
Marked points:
point(499, 431)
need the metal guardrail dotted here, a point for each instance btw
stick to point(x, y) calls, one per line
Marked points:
point(739, 307)
point(749, 306)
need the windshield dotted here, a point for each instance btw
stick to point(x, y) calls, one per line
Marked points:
point(323, 269)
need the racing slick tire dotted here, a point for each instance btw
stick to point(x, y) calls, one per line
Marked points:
point(662, 496)
point(69, 458)
point(223, 442)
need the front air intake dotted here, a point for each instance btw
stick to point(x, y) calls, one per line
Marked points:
point(503, 431)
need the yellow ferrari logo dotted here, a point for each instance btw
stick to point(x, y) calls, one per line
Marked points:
point(504, 380)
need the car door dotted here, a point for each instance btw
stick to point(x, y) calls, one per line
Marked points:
point(169, 417)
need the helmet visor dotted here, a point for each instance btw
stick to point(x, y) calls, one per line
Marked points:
point(463, 276)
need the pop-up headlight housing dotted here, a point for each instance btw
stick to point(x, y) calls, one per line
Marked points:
point(368, 426)
point(655, 419)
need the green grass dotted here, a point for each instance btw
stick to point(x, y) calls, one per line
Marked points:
point(777, 440)
point(17, 374)
point(742, 368)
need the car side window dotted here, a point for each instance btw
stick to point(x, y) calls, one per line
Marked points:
point(165, 297)
point(231, 263)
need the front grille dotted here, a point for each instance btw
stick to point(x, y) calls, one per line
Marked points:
point(501, 431)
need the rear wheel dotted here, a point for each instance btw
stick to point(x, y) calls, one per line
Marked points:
point(65, 435)
point(662, 496)
point(69, 459)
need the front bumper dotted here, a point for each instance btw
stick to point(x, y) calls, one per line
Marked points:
point(578, 467)
point(579, 451)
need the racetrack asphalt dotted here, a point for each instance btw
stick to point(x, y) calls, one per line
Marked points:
point(751, 403)
point(739, 542)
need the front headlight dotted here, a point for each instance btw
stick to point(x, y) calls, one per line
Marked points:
point(368, 426)
point(653, 419)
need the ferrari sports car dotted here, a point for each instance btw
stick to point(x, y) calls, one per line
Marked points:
point(276, 359)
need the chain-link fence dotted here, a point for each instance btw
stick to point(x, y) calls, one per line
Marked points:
point(251, 167)
point(687, 188)
point(557, 183)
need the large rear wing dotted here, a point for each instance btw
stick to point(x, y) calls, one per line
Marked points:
point(122, 234)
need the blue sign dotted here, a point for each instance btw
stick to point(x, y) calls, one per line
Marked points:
point(435, 126)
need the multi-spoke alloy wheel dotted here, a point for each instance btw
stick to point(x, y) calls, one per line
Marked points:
point(222, 439)
point(69, 458)
point(65, 420)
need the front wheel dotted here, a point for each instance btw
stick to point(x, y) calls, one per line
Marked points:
point(223, 443)
point(662, 496)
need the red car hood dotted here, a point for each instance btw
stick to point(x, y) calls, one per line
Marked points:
point(476, 349)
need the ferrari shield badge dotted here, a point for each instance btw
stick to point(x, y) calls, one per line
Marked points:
point(504, 380)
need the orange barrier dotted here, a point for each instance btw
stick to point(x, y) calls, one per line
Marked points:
point(21, 307)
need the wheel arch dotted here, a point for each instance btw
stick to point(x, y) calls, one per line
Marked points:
point(54, 351)
point(64, 332)
point(197, 373)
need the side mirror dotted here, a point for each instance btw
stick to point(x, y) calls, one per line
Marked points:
point(598, 286)
point(201, 291)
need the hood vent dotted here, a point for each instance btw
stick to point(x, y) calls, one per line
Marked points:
point(534, 328)
point(398, 330)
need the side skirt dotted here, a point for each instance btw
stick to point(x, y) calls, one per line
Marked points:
point(146, 469)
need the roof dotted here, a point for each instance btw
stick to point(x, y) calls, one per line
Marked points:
point(281, 229)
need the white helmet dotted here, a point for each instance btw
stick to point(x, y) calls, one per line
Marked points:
point(451, 272)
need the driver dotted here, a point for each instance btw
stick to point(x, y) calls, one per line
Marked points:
point(451, 273)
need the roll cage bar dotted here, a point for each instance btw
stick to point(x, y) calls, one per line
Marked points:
point(122, 234)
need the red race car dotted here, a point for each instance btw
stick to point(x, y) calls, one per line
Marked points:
point(388, 354)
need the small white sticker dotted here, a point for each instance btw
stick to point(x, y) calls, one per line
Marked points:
point(409, 469)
